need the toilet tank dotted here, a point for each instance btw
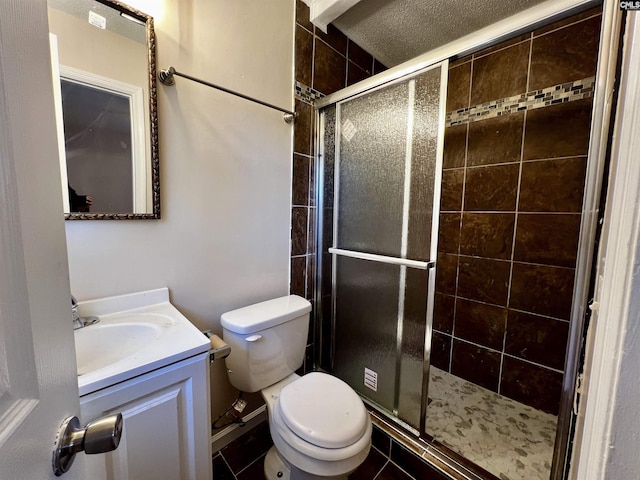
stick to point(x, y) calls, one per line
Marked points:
point(267, 341)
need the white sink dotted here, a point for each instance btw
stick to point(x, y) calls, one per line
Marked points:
point(102, 344)
point(137, 333)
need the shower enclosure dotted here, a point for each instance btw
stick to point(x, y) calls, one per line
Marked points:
point(448, 239)
point(382, 158)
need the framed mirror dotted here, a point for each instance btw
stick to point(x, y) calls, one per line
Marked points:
point(107, 116)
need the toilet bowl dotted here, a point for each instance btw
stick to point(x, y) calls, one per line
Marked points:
point(319, 425)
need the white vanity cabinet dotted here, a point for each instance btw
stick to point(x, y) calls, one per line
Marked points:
point(167, 424)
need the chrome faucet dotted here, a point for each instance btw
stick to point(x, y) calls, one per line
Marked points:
point(78, 321)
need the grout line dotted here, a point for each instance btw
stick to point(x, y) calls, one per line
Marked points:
point(566, 26)
point(313, 59)
point(528, 39)
point(228, 466)
point(501, 164)
point(382, 469)
point(515, 227)
point(498, 212)
point(464, 187)
point(493, 350)
point(261, 457)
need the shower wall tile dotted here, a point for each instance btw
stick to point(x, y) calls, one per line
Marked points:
point(334, 38)
point(496, 140)
point(440, 350)
point(304, 51)
point(531, 384)
point(565, 55)
point(458, 87)
point(476, 364)
point(330, 69)
point(480, 323)
point(552, 185)
point(447, 270)
point(355, 74)
point(502, 45)
point(550, 239)
point(311, 232)
point(455, 146)
point(456, 62)
point(491, 188)
point(538, 339)
point(542, 289)
point(451, 190)
point(517, 179)
point(443, 312)
point(298, 273)
point(360, 57)
point(312, 182)
point(302, 130)
point(378, 67)
point(558, 131)
point(500, 74)
point(565, 22)
point(300, 187)
point(299, 231)
point(488, 235)
point(302, 16)
point(484, 280)
point(449, 232)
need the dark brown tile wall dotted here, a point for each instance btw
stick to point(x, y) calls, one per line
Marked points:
point(512, 191)
point(325, 62)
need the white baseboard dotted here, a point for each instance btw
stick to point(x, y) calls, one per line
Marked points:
point(230, 433)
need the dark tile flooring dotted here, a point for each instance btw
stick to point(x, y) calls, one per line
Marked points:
point(243, 459)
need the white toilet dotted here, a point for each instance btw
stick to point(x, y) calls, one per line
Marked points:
point(319, 426)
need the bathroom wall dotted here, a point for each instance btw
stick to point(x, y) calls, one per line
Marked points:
point(324, 63)
point(511, 202)
point(225, 172)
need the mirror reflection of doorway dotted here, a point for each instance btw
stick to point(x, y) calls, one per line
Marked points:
point(97, 131)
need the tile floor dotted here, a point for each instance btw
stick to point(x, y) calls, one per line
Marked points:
point(243, 459)
point(508, 439)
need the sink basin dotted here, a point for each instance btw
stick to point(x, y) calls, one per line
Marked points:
point(137, 333)
point(102, 344)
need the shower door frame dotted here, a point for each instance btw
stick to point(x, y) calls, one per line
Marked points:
point(403, 262)
point(596, 160)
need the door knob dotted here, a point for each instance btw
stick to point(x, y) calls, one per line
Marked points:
point(100, 436)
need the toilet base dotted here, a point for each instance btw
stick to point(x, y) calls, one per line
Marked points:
point(277, 468)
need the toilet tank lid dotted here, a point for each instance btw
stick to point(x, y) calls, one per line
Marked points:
point(265, 314)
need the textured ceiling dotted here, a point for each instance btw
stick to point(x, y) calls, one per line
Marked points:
point(395, 31)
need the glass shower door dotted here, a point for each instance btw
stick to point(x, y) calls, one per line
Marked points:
point(386, 162)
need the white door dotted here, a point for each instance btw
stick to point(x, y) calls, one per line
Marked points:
point(38, 386)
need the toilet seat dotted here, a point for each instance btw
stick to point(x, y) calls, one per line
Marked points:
point(288, 441)
point(323, 410)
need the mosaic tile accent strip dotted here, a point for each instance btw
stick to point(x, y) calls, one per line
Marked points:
point(563, 93)
point(306, 94)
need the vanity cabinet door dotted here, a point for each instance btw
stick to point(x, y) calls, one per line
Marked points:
point(166, 425)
